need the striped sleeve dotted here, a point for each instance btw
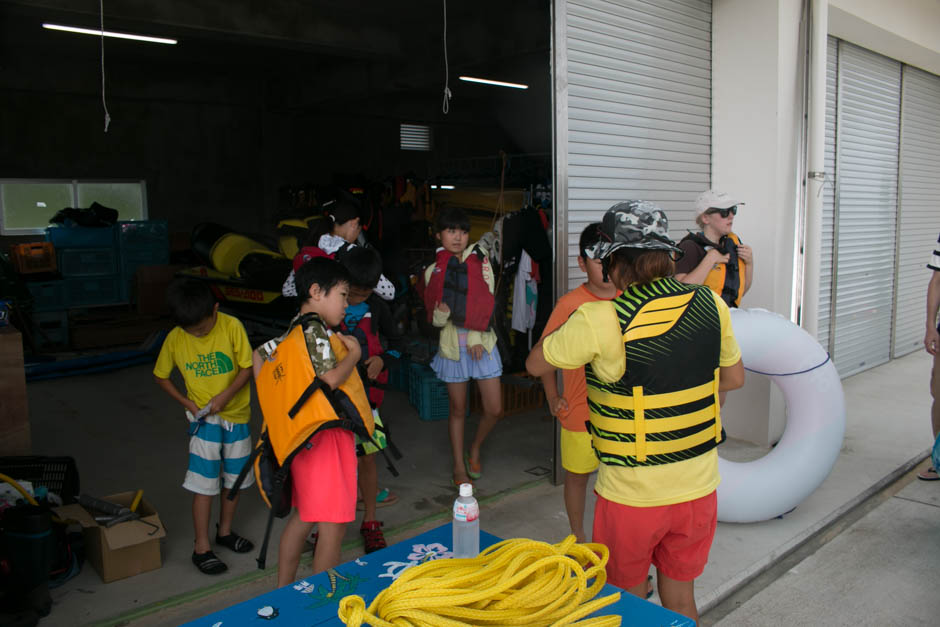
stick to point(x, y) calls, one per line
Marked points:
point(935, 259)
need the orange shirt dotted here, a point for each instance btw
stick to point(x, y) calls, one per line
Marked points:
point(575, 388)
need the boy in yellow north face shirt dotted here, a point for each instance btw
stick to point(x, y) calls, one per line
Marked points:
point(212, 353)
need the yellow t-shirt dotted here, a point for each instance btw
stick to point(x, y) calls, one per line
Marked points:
point(209, 364)
point(592, 335)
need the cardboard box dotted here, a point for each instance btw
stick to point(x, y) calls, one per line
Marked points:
point(126, 549)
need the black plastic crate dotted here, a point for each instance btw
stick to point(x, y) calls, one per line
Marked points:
point(57, 474)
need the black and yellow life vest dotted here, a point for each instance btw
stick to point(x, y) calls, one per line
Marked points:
point(665, 407)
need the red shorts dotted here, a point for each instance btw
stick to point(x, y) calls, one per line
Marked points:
point(323, 478)
point(675, 538)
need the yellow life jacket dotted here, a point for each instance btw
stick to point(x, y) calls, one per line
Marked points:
point(665, 407)
point(718, 275)
point(296, 404)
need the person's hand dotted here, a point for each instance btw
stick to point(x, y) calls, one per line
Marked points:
point(475, 351)
point(557, 404)
point(217, 404)
point(932, 341)
point(374, 366)
point(442, 307)
point(352, 345)
point(745, 253)
point(715, 256)
point(192, 407)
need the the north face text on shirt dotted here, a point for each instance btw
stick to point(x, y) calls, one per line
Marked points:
point(211, 365)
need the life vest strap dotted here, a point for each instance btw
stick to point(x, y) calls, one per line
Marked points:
point(717, 407)
point(653, 401)
point(629, 449)
point(316, 384)
point(654, 425)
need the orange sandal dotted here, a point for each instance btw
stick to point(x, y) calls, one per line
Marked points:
point(474, 471)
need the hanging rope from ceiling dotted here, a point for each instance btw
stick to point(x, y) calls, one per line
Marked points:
point(447, 94)
point(104, 102)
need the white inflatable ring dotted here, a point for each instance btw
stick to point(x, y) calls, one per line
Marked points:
point(777, 482)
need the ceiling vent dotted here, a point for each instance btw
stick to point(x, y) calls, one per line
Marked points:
point(415, 137)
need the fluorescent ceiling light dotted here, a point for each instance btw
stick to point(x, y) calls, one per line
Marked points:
point(107, 33)
point(442, 186)
point(487, 81)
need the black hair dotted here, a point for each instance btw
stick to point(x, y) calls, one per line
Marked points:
point(589, 236)
point(190, 301)
point(321, 271)
point(364, 266)
point(452, 218)
point(336, 212)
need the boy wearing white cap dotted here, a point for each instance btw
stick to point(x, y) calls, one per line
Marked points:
point(715, 256)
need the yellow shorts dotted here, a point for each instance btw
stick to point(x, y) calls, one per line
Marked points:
point(577, 454)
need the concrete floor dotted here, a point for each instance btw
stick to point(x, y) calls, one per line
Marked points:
point(125, 435)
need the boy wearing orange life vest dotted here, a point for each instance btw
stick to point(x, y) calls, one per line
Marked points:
point(715, 256)
point(323, 474)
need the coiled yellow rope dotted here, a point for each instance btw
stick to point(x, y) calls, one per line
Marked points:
point(513, 582)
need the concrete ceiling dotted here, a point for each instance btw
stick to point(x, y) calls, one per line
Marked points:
point(358, 48)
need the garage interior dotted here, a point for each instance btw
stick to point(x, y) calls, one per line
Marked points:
point(254, 103)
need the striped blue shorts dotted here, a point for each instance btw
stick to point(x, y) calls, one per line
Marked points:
point(218, 449)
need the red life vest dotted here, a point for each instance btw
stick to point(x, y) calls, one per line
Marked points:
point(368, 338)
point(307, 253)
point(461, 286)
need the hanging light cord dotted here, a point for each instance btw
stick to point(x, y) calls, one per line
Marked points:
point(447, 94)
point(104, 103)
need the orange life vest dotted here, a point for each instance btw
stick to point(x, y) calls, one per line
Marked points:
point(296, 404)
point(719, 279)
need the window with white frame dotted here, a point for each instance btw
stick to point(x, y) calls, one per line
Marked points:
point(26, 205)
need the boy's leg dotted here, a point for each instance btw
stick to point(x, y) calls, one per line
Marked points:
point(491, 393)
point(368, 481)
point(575, 496)
point(329, 545)
point(202, 509)
point(457, 394)
point(236, 451)
point(678, 596)
point(292, 544)
point(227, 513)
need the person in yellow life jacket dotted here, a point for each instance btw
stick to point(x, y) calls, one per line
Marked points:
point(655, 359)
point(323, 474)
point(715, 255)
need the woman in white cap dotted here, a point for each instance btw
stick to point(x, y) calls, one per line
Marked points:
point(655, 359)
point(715, 256)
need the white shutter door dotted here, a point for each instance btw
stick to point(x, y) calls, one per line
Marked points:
point(828, 192)
point(866, 207)
point(638, 109)
point(919, 204)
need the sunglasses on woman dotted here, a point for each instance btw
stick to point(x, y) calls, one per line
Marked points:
point(724, 213)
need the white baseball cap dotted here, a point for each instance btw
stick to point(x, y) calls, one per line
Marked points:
point(713, 199)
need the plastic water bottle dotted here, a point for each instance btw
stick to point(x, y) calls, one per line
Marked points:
point(466, 523)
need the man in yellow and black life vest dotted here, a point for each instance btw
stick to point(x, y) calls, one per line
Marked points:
point(715, 255)
point(655, 360)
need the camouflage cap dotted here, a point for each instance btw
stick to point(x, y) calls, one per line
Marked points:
point(632, 224)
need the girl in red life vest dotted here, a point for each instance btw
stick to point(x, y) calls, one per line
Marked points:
point(331, 236)
point(459, 299)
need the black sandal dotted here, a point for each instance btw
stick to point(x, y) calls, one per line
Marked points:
point(209, 564)
point(233, 541)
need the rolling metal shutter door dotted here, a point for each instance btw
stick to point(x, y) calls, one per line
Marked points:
point(866, 208)
point(825, 263)
point(919, 197)
point(639, 109)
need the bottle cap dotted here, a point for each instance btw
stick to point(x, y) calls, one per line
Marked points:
point(466, 489)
